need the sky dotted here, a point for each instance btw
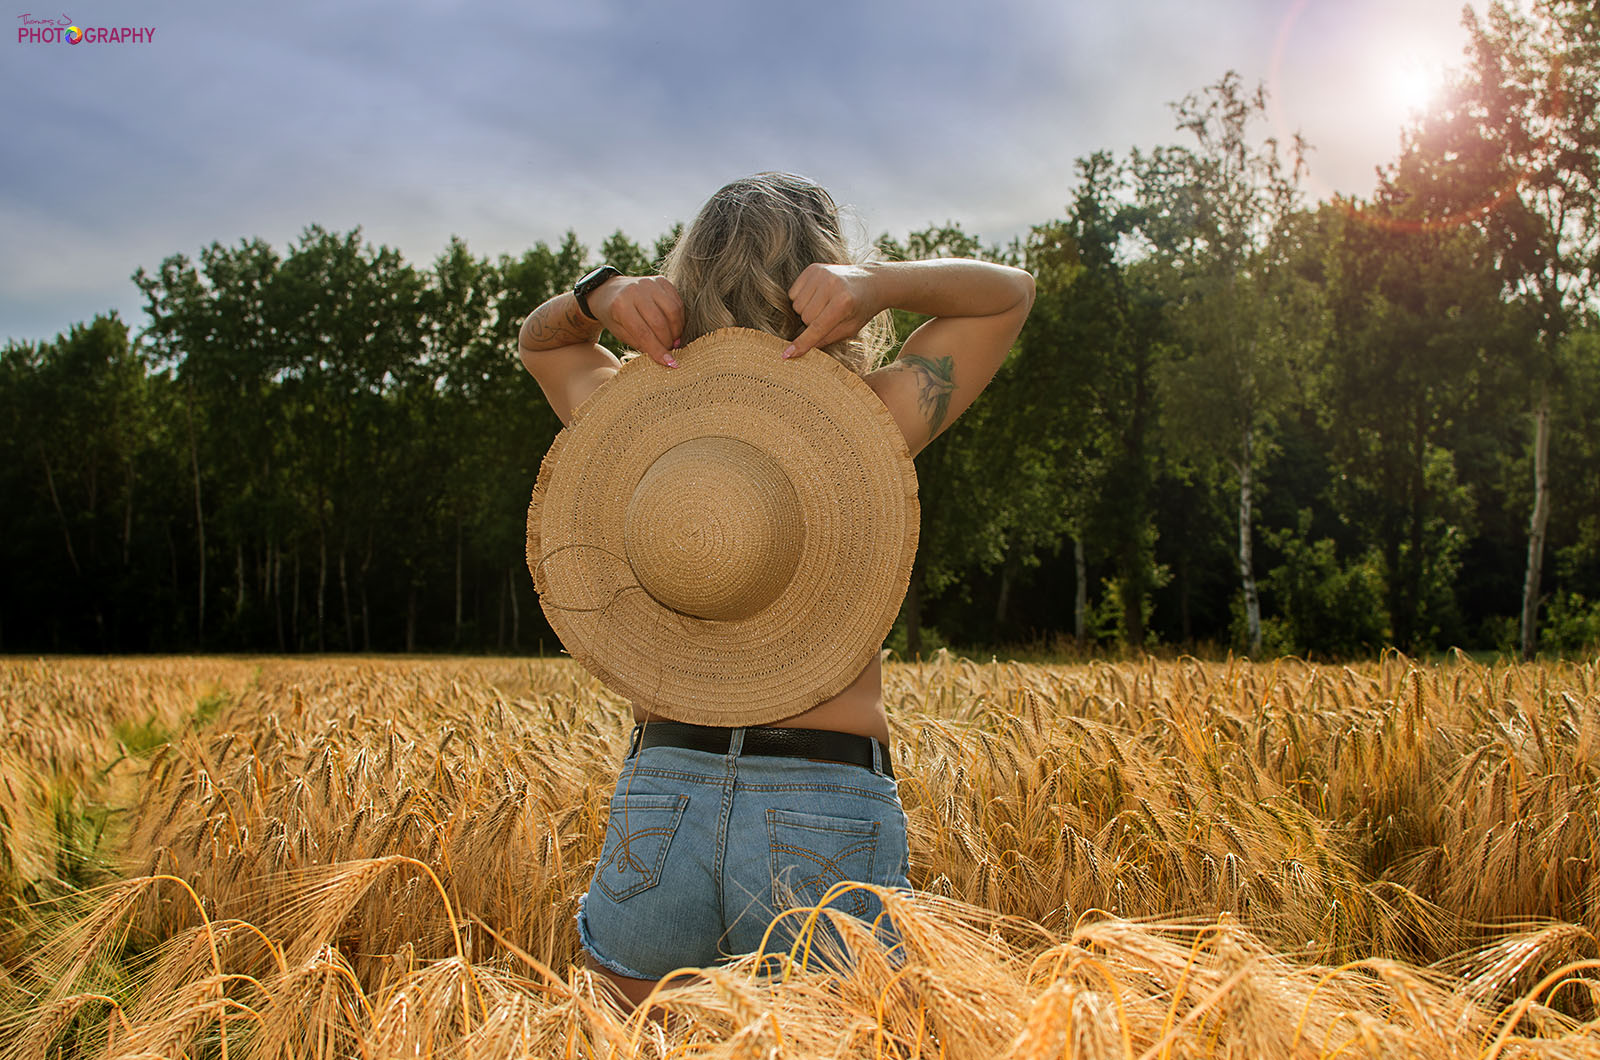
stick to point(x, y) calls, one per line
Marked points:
point(510, 123)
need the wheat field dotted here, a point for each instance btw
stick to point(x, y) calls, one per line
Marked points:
point(374, 858)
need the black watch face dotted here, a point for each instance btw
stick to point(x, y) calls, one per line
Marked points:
point(596, 278)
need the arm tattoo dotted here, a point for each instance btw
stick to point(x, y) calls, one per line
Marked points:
point(936, 381)
point(559, 322)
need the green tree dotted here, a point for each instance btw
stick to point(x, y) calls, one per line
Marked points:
point(1060, 391)
point(1217, 217)
point(527, 424)
point(1086, 390)
point(1577, 466)
point(1417, 331)
point(209, 326)
point(283, 366)
point(351, 321)
point(78, 427)
point(462, 370)
point(1518, 154)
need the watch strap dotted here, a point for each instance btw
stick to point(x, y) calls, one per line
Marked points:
point(589, 284)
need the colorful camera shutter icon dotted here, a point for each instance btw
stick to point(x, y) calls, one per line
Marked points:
point(74, 34)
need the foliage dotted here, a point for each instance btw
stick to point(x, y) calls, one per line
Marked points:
point(325, 447)
point(1322, 605)
point(1516, 154)
point(1573, 625)
point(1088, 357)
point(1217, 218)
point(973, 480)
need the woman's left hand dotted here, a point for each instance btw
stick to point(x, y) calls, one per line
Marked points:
point(835, 301)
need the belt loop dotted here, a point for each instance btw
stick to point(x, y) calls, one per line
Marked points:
point(877, 756)
point(633, 741)
point(735, 742)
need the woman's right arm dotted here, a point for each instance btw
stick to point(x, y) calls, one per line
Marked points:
point(558, 343)
point(978, 309)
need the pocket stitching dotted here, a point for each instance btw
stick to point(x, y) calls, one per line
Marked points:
point(677, 803)
point(853, 902)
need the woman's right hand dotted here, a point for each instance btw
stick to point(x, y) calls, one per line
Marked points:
point(644, 312)
point(835, 301)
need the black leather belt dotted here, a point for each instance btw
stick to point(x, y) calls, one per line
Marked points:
point(764, 740)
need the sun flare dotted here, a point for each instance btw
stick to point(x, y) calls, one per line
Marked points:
point(1410, 87)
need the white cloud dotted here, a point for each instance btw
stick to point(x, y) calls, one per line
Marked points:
point(513, 123)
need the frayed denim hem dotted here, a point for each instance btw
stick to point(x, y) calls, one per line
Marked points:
point(599, 958)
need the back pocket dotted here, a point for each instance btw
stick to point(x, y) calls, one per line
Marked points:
point(637, 838)
point(811, 853)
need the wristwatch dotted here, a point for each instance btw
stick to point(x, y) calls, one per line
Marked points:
point(589, 284)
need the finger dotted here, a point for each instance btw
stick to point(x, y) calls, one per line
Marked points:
point(661, 311)
point(811, 293)
point(666, 301)
point(654, 318)
point(833, 324)
point(640, 337)
point(673, 304)
point(802, 282)
point(811, 305)
point(805, 342)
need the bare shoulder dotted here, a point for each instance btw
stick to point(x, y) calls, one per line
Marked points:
point(569, 374)
point(917, 390)
point(942, 368)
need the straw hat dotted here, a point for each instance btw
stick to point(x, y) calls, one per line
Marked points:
point(726, 543)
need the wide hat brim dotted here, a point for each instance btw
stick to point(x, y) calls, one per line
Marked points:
point(853, 483)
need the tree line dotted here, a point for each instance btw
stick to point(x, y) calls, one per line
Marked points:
point(1236, 420)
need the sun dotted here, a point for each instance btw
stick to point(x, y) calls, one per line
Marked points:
point(1409, 86)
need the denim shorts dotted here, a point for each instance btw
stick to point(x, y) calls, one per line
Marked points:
point(702, 851)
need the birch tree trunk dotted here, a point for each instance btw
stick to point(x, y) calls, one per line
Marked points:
point(127, 519)
point(344, 599)
point(411, 619)
point(500, 618)
point(1008, 575)
point(366, 608)
point(61, 515)
point(913, 610)
point(456, 643)
point(275, 564)
point(1080, 599)
point(1536, 525)
point(238, 577)
point(516, 609)
point(1185, 625)
point(322, 591)
point(200, 528)
point(172, 554)
point(294, 605)
point(1247, 570)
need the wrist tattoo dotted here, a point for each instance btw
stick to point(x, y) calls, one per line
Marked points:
point(936, 381)
point(559, 322)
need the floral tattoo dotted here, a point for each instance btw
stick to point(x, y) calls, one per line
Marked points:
point(936, 381)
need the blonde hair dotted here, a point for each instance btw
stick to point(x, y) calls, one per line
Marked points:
point(735, 264)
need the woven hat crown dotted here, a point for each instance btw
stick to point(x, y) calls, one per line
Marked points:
point(714, 529)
